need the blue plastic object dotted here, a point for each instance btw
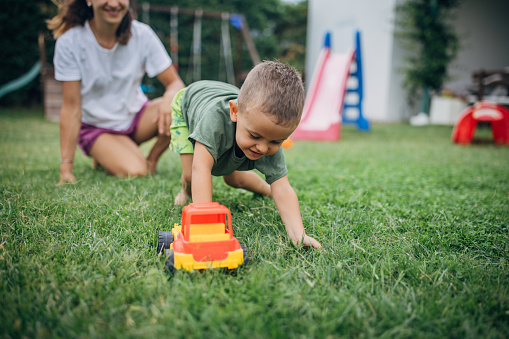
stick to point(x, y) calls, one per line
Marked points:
point(23, 80)
point(361, 122)
point(326, 42)
point(236, 21)
point(147, 88)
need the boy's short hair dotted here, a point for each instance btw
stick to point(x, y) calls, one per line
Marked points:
point(276, 89)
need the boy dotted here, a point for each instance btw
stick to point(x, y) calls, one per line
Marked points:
point(219, 130)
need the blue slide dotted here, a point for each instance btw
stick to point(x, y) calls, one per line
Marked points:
point(23, 80)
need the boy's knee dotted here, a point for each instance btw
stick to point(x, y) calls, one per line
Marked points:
point(186, 178)
point(233, 181)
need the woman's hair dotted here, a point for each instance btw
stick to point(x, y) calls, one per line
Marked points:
point(72, 13)
point(275, 89)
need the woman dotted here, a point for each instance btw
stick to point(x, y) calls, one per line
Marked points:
point(101, 56)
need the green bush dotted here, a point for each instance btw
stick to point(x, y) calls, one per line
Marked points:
point(425, 29)
point(21, 23)
point(278, 31)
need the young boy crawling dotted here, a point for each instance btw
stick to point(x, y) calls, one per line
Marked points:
point(221, 131)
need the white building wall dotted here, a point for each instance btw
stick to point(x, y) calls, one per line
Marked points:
point(397, 108)
point(374, 19)
point(483, 27)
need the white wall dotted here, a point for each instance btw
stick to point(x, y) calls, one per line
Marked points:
point(373, 18)
point(397, 107)
point(484, 29)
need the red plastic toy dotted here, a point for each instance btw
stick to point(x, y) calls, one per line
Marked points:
point(288, 143)
point(203, 240)
point(497, 115)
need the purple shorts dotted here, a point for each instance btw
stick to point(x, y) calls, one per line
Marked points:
point(89, 134)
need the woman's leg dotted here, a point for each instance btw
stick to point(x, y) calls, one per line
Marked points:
point(148, 129)
point(249, 181)
point(119, 155)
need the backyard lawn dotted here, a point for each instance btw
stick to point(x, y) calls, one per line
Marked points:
point(414, 231)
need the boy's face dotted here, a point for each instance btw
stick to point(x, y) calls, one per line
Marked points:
point(257, 134)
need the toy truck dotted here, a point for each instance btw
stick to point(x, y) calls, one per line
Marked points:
point(203, 240)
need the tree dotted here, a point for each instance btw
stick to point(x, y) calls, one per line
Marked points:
point(291, 33)
point(278, 30)
point(424, 27)
point(260, 16)
point(21, 23)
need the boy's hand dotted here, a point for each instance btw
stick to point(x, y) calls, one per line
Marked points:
point(311, 242)
point(201, 188)
point(287, 204)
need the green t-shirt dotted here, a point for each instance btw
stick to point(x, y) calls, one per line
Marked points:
point(206, 110)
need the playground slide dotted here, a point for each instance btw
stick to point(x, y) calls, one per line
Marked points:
point(23, 80)
point(321, 117)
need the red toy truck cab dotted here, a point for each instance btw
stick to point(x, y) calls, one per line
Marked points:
point(203, 240)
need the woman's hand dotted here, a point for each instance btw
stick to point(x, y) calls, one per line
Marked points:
point(164, 118)
point(172, 83)
point(70, 122)
point(66, 176)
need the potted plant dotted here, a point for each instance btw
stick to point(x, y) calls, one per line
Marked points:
point(425, 30)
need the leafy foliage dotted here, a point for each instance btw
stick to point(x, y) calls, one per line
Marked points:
point(425, 28)
point(21, 23)
point(278, 29)
point(291, 31)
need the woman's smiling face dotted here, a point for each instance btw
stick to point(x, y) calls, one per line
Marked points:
point(110, 11)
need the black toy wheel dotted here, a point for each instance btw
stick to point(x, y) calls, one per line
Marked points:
point(165, 240)
point(244, 252)
point(169, 266)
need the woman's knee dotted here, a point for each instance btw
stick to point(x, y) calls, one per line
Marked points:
point(138, 169)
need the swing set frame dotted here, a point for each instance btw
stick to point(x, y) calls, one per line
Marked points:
point(242, 33)
point(53, 90)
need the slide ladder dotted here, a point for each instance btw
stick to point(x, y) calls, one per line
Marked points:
point(360, 121)
point(325, 100)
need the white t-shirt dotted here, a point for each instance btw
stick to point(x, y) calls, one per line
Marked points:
point(110, 78)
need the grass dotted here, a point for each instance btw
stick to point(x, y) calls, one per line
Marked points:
point(414, 229)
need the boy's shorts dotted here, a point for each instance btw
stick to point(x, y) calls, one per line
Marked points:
point(179, 132)
point(89, 133)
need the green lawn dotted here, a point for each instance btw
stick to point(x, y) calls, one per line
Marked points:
point(414, 229)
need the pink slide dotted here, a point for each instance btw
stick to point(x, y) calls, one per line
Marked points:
point(321, 117)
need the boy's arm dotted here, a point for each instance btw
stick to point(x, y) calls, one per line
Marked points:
point(201, 177)
point(287, 204)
